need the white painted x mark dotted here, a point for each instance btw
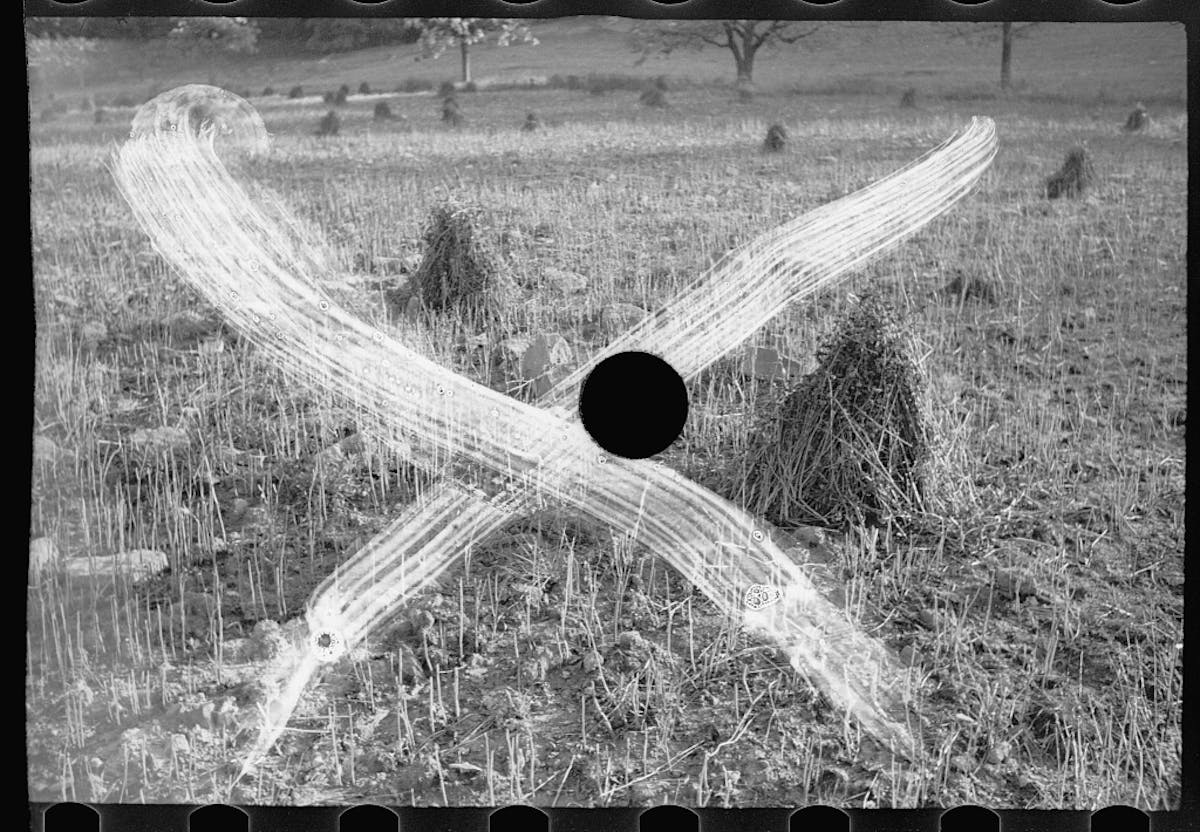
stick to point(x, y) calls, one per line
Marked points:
point(249, 260)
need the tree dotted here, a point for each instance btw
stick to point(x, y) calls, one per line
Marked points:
point(50, 56)
point(440, 33)
point(349, 34)
point(226, 34)
point(743, 38)
point(99, 28)
point(1007, 33)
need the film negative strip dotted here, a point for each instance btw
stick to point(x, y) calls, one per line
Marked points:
point(500, 620)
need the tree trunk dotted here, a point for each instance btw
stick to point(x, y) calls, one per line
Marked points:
point(466, 59)
point(745, 66)
point(741, 44)
point(1006, 39)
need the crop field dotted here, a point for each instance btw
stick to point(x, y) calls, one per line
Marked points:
point(1039, 609)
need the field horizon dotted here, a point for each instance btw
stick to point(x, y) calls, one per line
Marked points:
point(1081, 62)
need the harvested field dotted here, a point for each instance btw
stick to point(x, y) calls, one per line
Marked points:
point(560, 662)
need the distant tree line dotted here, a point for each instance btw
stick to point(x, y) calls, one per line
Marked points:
point(317, 35)
point(246, 35)
point(436, 35)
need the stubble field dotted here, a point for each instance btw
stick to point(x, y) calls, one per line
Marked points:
point(1041, 611)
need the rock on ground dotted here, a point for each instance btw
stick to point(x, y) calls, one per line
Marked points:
point(618, 317)
point(138, 564)
point(43, 557)
point(164, 439)
point(766, 364)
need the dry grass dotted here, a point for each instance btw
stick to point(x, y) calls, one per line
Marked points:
point(451, 114)
point(654, 97)
point(1138, 120)
point(1074, 177)
point(460, 273)
point(776, 138)
point(1042, 614)
point(329, 124)
point(852, 442)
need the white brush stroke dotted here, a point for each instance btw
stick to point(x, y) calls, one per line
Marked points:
point(253, 261)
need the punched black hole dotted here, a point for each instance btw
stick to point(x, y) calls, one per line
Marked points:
point(633, 405)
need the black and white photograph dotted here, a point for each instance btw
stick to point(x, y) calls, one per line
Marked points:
point(607, 412)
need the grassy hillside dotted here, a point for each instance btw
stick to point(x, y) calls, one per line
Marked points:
point(1087, 60)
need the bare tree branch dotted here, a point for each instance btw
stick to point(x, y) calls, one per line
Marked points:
point(797, 36)
point(743, 38)
point(709, 39)
point(731, 42)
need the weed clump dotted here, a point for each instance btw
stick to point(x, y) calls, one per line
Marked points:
point(329, 125)
point(338, 98)
point(653, 97)
point(531, 123)
point(967, 287)
point(851, 443)
point(776, 139)
point(451, 115)
point(296, 92)
point(200, 117)
point(600, 83)
point(1138, 120)
point(908, 100)
point(459, 270)
point(1074, 177)
point(414, 85)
